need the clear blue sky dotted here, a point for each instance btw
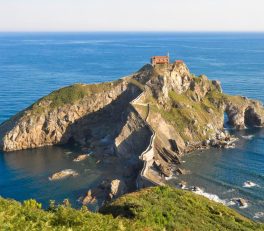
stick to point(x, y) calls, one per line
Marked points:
point(131, 15)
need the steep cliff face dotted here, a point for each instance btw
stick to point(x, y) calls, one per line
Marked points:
point(243, 112)
point(67, 115)
point(184, 110)
point(133, 137)
point(148, 120)
point(187, 113)
point(191, 109)
point(180, 102)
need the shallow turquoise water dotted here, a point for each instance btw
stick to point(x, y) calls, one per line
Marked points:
point(32, 65)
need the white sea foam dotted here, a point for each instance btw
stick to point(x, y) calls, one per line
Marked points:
point(210, 196)
point(229, 191)
point(259, 215)
point(230, 203)
point(243, 207)
point(250, 184)
point(170, 177)
point(249, 137)
point(231, 147)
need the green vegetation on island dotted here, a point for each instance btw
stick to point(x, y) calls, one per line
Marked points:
point(70, 95)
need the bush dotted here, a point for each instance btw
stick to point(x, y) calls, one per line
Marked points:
point(158, 208)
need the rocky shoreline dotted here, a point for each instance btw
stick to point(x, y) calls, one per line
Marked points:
point(149, 120)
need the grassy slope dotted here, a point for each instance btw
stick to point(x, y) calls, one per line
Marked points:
point(159, 208)
point(187, 112)
point(70, 95)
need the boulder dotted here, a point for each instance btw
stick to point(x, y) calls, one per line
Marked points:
point(89, 198)
point(63, 174)
point(241, 202)
point(117, 188)
point(81, 157)
point(182, 184)
point(105, 191)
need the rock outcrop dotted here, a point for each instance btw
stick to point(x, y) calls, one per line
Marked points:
point(106, 191)
point(243, 112)
point(184, 111)
point(63, 174)
point(53, 120)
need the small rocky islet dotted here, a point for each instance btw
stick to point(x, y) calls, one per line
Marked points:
point(149, 119)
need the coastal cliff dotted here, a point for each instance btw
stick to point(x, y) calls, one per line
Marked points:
point(120, 118)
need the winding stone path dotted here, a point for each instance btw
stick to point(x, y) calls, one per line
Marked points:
point(146, 178)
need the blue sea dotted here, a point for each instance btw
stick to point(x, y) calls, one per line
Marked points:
point(34, 64)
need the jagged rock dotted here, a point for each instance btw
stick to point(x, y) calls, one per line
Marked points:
point(183, 184)
point(45, 124)
point(175, 112)
point(117, 188)
point(106, 191)
point(40, 126)
point(206, 142)
point(241, 202)
point(182, 171)
point(81, 157)
point(89, 198)
point(133, 136)
point(243, 112)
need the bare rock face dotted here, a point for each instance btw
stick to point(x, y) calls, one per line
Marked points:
point(42, 125)
point(243, 113)
point(106, 191)
point(176, 77)
point(148, 119)
point(167, 134)
point(188, 110)
point(133, 137)
point(89, 198)
point(117, 188)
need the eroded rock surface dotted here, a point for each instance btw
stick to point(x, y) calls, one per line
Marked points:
point(106, 191)
point(185, 112)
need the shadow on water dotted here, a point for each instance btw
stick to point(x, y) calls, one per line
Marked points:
point(25, 174)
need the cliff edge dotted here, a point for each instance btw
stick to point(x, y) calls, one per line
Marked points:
point(184, 111)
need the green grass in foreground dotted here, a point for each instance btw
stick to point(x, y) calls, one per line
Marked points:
point(159, 208)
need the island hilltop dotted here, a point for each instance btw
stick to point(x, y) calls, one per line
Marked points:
point(150, 118)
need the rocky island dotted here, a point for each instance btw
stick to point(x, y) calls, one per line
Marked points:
point(150, 119)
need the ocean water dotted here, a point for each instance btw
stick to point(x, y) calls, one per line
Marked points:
point(34, 64)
